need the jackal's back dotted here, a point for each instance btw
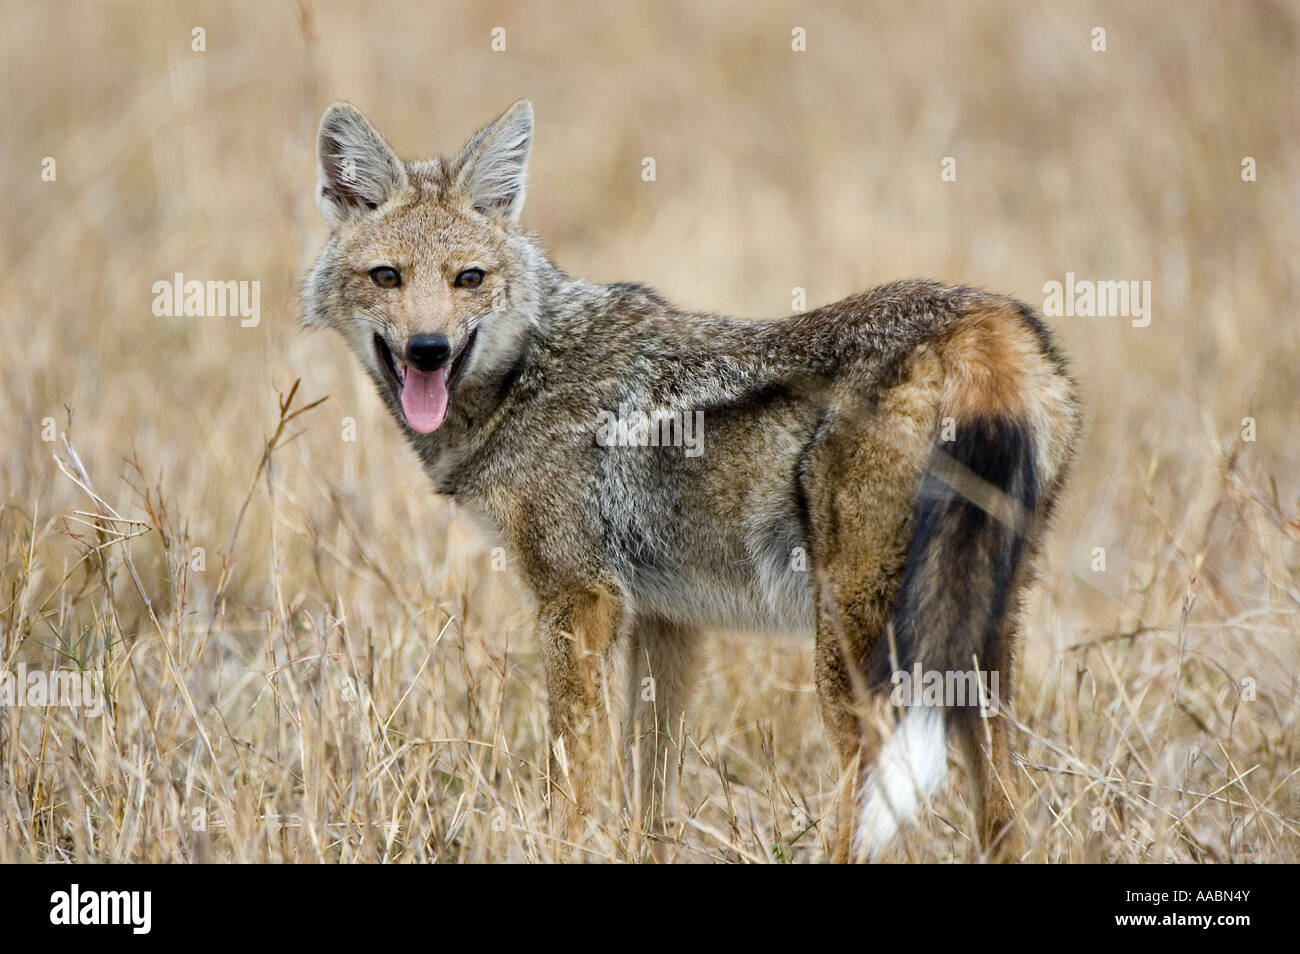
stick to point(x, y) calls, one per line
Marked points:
point(724, 535)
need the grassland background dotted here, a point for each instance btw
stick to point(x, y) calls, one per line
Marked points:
point(368, 689)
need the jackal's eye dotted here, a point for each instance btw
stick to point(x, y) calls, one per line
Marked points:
point(470, 278)
point(385, 276)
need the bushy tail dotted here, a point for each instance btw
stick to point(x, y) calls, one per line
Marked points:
point(971, 515)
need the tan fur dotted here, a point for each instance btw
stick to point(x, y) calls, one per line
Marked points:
point(576, 632)
point(989, 357)
point(859, 490)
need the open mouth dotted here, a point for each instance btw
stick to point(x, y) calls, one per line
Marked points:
point(423, 395)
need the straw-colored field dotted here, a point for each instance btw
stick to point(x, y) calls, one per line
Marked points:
point(306, 656)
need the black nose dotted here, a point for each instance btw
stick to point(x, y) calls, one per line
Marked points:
point(427, 352)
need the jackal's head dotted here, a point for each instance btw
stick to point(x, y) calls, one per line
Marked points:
point(426, 273)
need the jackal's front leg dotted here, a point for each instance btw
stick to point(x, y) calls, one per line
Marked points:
point(664, 659)
point(575, 633)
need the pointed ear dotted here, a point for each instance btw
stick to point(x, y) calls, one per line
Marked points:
point(357, 169)
point(493, 165)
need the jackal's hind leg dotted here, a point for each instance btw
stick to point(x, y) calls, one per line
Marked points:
point(859, 476)
point(986, 749)
point(854, 738)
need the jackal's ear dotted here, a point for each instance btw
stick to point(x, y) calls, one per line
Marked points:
point(493, 165)
point(358, 171)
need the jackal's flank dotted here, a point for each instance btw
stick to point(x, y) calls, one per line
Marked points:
point(876, 472)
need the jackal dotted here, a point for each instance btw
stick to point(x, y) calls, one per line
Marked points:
point(875, 473)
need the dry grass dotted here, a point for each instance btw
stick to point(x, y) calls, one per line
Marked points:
point(347, 679)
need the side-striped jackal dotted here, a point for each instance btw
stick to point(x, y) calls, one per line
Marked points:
point(875, 472)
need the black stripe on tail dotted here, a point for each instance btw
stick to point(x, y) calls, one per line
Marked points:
point(970, 518)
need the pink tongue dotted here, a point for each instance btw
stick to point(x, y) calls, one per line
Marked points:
point(424, 399)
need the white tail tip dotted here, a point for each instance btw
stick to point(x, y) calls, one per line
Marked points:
point(913, 764)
